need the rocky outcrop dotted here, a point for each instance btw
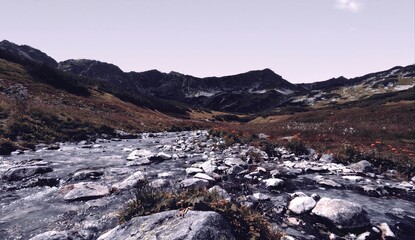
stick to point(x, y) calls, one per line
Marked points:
point(193, 225)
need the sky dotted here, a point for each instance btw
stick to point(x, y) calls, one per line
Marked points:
point(301, 40)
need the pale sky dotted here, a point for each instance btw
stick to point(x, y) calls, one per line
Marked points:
point(301, 40)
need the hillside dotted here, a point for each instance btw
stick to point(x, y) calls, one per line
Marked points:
point(34, 111)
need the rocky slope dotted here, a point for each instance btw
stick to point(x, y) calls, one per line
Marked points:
point(342, 90)
point(250, 92)
point(78, 189)
point(247, 92)
point(25, 52)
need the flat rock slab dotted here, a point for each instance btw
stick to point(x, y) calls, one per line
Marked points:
point(193, 225)
point(341, 213)
point(19, 173)
point(86, 191)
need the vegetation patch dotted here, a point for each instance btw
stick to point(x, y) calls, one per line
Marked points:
point(246, 223)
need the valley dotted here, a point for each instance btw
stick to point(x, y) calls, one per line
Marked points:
point(79, 140)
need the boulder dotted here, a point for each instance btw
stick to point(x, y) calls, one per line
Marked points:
point(21, 172)
point(85, 191)
point(341, 214)
point(361, 166)
point(52, 235)
point(171, 225)
point(130, 182)
point(300, 205)
point(273, 182)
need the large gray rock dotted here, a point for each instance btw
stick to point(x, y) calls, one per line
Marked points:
point(51, 235)
point(193, 225)
point(302, 204)
point(130, 182)
point(19, 173)
point(85, 191)
point(341, 213)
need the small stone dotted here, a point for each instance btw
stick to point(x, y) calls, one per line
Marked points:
point(273, 182)
point(130, 182)
point(300, 205)
point(204, 176)
point(260, 197)
point(208, 166)
point(329, 183)
point(159, 183)
point(51, 235)
point(193, 170)
point(163, 156)
point(234, 162)
point(353, 178)
point(221, 192)
point(137, 154)
point(386, 231)
point(328, 158)
point(194, 183)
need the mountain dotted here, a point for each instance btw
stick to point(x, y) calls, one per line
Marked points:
point(341, 90)
point(27, 53)
point(253, 92)
point(248, 92)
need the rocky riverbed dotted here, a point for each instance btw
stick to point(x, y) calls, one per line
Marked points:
point(76, 190)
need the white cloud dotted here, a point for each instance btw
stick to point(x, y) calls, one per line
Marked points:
point(348, 5)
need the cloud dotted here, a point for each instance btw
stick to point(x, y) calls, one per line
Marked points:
point(348, 5)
